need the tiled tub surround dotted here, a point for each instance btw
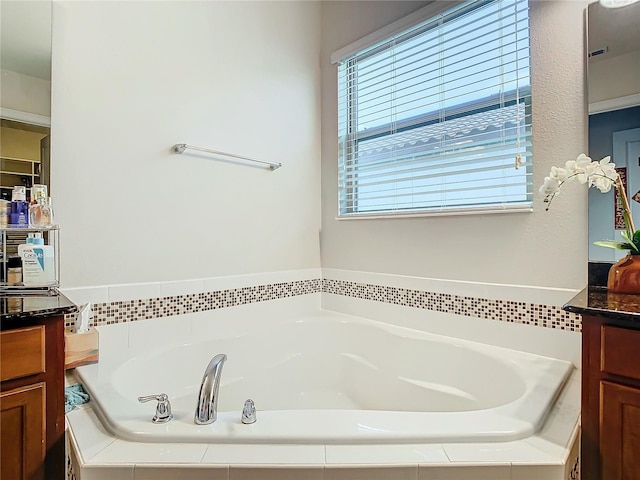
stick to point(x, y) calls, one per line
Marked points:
point(380, 289)
point(548, 455)
point(96, 454)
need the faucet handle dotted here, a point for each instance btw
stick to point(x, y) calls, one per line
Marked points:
point(249, 412)
point(163, 408)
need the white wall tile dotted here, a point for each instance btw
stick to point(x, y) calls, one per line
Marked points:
point(365, 472)
point(121, 451)
point(518, 451)
point(237, 472)
point(133, 291)
point(267, 278)
point(560, 430)
point(88, 433)
point(465, 472)
point(264, 454)
point(181, 472)
point(519, 293)
point(107, 472)
point(385, 454)
point(151, 334)
point(82, 295)
point(537, 472)
point(183, 287)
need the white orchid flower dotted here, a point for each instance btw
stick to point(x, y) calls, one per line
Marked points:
point(583, 160)
point(602, 175)
point(559, 173)
point(550, 186)
point(608, 168)
point(603, 184)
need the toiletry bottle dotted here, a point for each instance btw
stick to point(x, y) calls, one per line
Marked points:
point(28, 241)
point(40, 212)
point(21, 248)
point(5, 210)
point(19, 213)
point(47, 213)
point(38, 264)
point(38, 193)
point(14, 271)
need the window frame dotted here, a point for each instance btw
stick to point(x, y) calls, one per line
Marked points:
point(356, 52)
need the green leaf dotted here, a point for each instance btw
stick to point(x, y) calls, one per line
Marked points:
point(633, 246)
point(614, 244)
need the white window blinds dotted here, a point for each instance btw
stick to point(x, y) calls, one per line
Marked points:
point(438, 117)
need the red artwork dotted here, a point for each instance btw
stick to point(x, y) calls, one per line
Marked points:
point(617, 200)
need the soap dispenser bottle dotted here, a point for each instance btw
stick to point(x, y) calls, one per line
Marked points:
point(38, 263)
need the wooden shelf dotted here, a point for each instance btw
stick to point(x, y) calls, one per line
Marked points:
point(4, 172)
point(19, 159)
point(14, 170)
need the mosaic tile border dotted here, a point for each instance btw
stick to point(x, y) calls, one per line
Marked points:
point(71, 474)
point(547, 316)
point(144, 309)
point(574, 474)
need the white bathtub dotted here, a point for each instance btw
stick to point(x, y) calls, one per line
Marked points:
point(331, 378)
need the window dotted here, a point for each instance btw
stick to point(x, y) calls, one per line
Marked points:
point(437, 118)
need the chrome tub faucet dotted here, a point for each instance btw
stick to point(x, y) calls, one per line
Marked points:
point(207, 408)
point(163, 408)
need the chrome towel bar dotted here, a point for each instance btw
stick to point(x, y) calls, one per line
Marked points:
point(181, 147)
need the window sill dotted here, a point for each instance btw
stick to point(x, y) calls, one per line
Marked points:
point(438, 213)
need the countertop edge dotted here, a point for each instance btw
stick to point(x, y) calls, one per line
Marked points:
point(18, 307)
point(597, 301)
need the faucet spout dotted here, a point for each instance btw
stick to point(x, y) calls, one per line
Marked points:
point(207, 408)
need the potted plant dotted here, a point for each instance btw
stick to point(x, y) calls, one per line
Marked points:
point(624, 275)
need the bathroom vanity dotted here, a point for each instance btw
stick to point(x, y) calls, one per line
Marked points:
point(610, 384)
point(32, 422)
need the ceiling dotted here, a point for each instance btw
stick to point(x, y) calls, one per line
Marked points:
point(618, 29)
point(25, 37)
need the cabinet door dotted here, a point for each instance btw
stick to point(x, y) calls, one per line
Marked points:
point(620, 432)
point(22, 430)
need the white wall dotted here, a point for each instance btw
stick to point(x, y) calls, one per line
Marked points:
point(131, 79)
point(25, 93)
point(538, 248)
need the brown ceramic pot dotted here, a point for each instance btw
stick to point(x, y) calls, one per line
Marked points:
point(624, 275)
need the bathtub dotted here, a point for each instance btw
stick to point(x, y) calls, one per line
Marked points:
point(330, 378)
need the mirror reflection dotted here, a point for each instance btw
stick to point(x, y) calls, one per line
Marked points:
point(614, 115)
point(25, 94)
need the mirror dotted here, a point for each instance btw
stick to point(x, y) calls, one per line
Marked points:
point(613, 78)
point(25, 93)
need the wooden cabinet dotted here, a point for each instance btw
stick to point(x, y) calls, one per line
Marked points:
point(620, 432)
point(610, 399)
point(22, 420)
point(32, 398)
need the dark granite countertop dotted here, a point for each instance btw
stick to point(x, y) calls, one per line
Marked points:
point(598, 301)
point(16, 307)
